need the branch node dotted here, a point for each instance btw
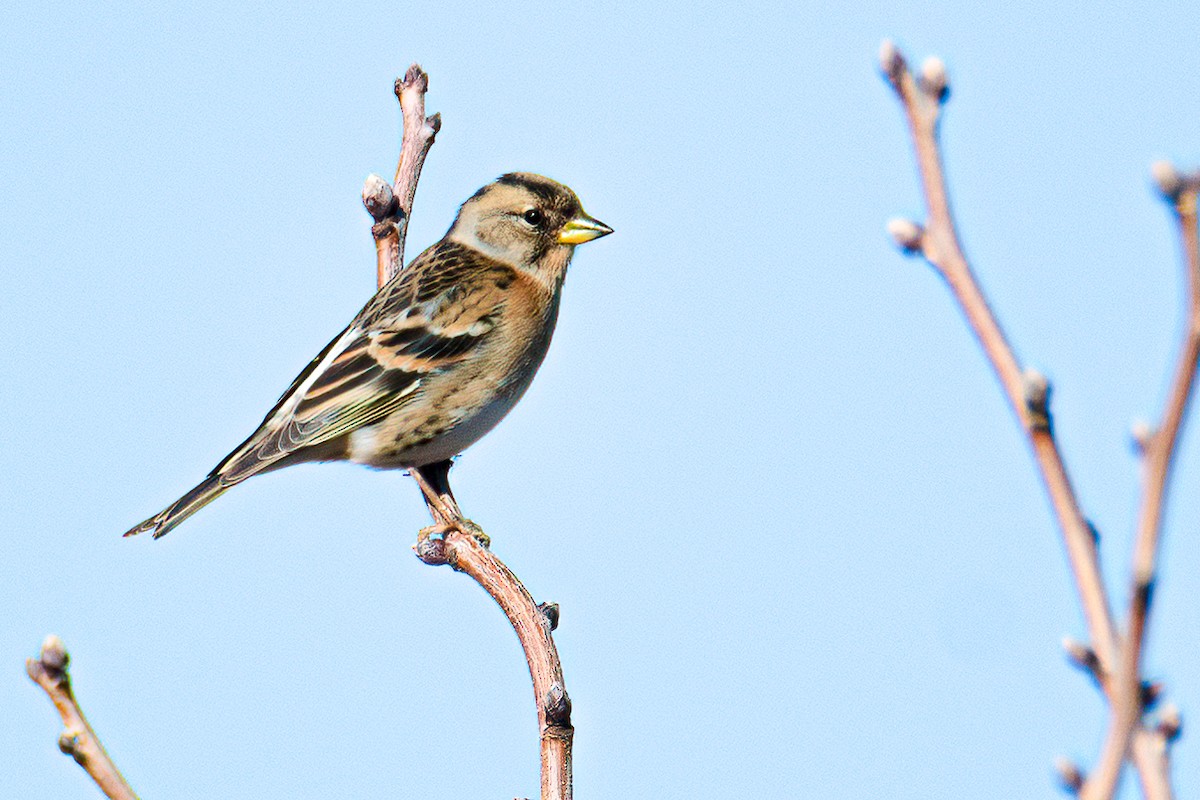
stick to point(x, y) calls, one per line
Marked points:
point(933, 80)
point(550, 613)
point(1036, 388)
point(1069, 775)
point(907, 235)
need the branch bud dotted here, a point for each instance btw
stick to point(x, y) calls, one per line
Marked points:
point(1141, 434)
point(415, 78)
point(1170, 724)
point(67, 742)
point(891, 61)
point(54, 656)
point(1037, 399)
point(906, 234)
point(1151, 693)
point(1167, 178)
point(550, 612)
point(378, 198)
point(934, 81)
point(1081, 655)
point(1069, 775)
point(558, 705)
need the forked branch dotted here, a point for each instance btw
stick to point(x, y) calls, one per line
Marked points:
point(922, 97)
point(50, 671)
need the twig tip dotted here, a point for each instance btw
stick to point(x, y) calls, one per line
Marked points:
point(54, 654)
point(891, 61)
point(415, 78)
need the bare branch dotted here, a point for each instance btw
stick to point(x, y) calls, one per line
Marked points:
point(50, 671)
point(532, 623)
point(1027, 392)
point(1158, 449)
point(391, 206)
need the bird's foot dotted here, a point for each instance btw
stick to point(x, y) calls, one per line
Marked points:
point(461, 524)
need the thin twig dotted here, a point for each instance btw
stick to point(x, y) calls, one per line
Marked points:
point(50, 671)
point(533, 624)
point(1159, 452)
point(1027, 392)
point(391, 204)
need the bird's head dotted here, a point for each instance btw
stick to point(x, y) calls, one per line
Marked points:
point(527, 221)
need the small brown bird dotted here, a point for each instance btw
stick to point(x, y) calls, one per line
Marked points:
point(436, 358)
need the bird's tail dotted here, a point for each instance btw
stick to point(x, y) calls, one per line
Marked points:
point(164, 521)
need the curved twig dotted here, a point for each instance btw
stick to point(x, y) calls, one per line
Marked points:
point(1027, 391)
point(50, 671)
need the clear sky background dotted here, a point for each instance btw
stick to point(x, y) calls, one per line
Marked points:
point(796, 535)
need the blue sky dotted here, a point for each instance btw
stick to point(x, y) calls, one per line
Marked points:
point(797, 540)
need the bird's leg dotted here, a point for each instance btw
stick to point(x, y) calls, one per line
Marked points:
point(434, 480)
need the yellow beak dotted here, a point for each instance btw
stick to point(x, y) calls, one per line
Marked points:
point(582, 229)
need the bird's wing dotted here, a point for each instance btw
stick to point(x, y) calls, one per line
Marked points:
point(429, 318)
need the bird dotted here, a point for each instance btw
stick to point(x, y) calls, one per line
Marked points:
point(434, 360)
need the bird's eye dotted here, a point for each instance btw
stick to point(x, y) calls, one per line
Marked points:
point(533, 217)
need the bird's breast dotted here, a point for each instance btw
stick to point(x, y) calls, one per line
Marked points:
point(453, 408)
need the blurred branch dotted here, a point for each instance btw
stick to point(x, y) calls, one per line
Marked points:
point(922, 97)
point(50, 671)
point(461, 545)
point(1158, 448)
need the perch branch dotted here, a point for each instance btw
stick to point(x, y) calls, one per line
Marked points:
point(50, 671)
point(391, 206)
point(533, 624)
point(1158, 450)
point(1027, 391)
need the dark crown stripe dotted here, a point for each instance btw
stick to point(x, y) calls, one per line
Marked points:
point(543, 189)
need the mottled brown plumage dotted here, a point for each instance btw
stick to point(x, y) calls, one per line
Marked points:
point(436, 358)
